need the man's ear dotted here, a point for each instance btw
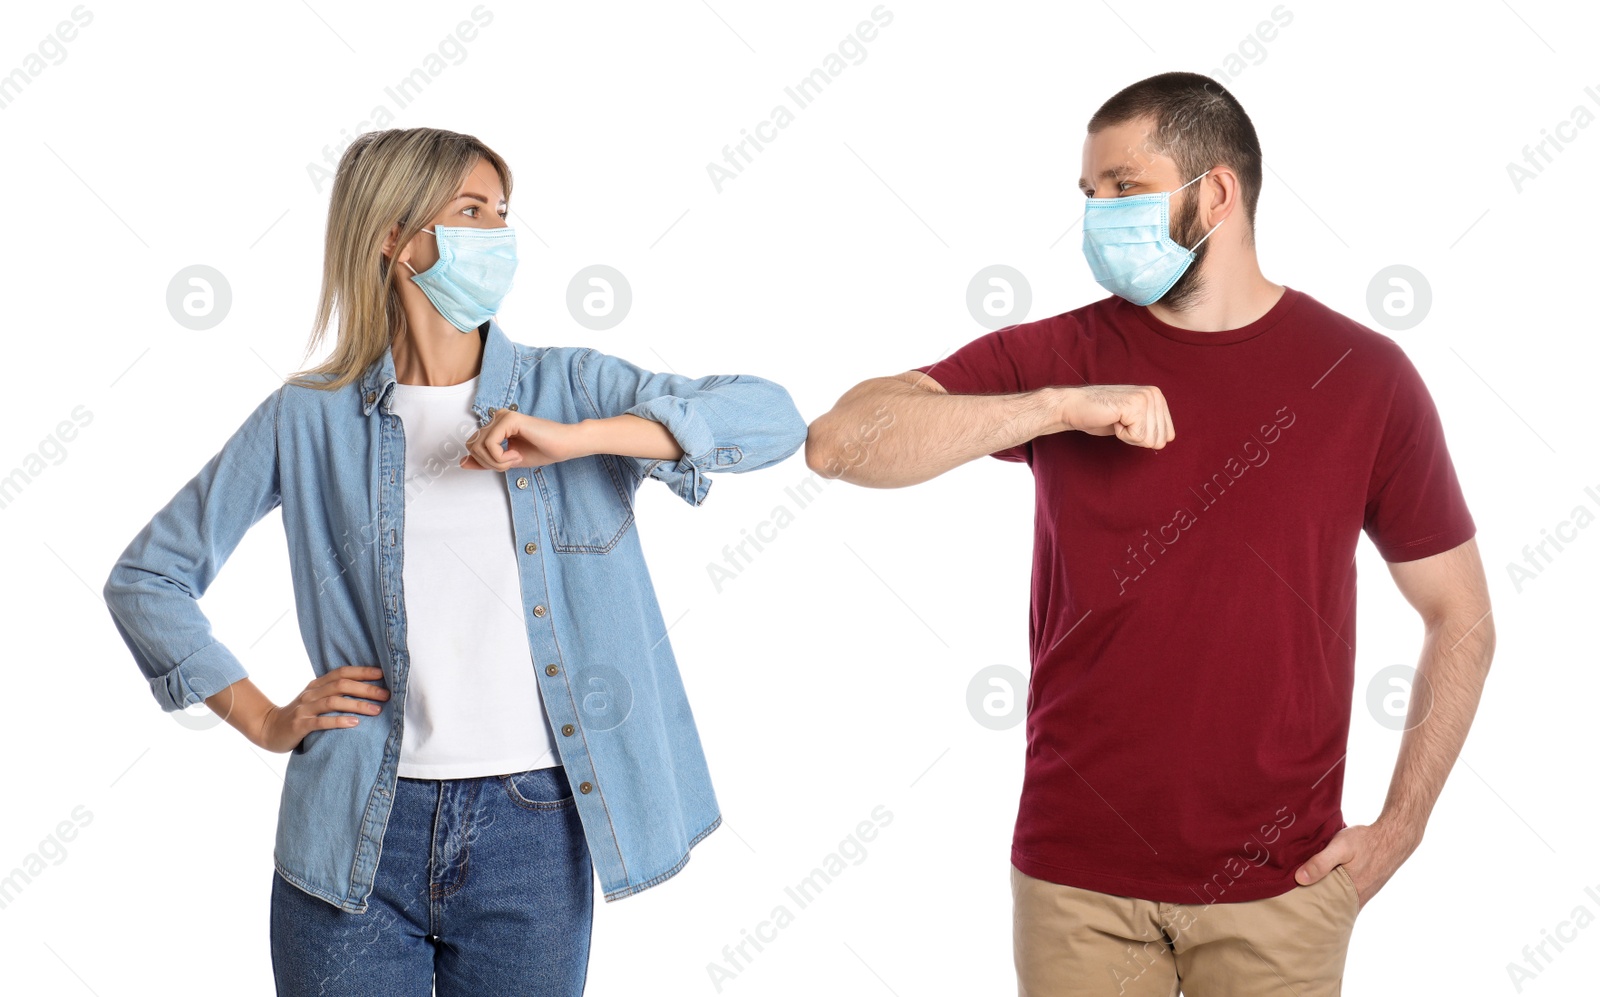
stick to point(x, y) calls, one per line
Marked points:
point(1229, 199)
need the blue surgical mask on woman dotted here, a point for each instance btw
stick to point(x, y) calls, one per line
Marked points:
point(1128, 242)
point(473, 273)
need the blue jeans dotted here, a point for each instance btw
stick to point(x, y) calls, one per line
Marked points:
point(484, 886)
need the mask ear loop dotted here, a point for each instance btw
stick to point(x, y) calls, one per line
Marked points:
point(1213, 228)
point(413, 269)
point(1203, 238)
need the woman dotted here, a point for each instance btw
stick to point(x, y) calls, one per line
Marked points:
point(497, 715)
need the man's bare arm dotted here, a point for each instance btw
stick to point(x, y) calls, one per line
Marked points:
point(1451, 594)
point(888, 432)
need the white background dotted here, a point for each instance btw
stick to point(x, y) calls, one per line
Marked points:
point(831, 676)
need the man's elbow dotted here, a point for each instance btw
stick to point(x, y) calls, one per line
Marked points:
point(825, 436)
point(828, 444)
point(817, 444)
point(1488, 639)
point(1469, 627)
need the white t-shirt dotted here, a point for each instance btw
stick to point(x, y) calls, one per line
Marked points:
point(472, 705)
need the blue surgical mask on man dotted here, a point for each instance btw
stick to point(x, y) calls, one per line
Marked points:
point(1128, 243)
point(473, 274)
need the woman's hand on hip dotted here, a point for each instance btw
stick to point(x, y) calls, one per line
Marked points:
point(341, 689)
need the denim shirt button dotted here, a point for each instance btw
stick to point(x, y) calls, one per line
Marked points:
point(370, 396)
point(512, 406)
point(584, 787)
point(522, 482)
point(529, 548)
point(551, 670)
point(538, 610)
point(567, 729)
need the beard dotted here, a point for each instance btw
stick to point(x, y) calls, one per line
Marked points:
point(1189, 289)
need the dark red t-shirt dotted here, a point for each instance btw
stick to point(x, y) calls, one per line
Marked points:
point(1193, 617)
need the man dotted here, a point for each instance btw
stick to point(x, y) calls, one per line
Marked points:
point(1193, 607)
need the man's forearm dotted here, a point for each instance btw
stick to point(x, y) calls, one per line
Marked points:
point(887, 433)
point(1450, 676)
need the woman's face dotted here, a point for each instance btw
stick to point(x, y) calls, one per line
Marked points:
point(479, 203)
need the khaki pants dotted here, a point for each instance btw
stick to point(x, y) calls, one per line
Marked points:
point(1071, 942)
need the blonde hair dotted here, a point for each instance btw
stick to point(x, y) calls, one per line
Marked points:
point(401, 176)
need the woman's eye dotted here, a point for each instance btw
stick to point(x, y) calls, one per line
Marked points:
point(470, 207)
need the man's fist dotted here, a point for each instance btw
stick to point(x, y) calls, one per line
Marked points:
point(1136, 413)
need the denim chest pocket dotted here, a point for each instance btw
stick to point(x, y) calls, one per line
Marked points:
point(586, 503)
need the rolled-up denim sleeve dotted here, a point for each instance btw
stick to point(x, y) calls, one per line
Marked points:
point(154, 588)
point(722, 422)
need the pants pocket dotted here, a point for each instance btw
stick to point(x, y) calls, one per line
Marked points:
point(539, 789)
point(1350, 886)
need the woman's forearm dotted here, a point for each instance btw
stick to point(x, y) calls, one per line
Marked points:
point(630, 436)
point(244, 707)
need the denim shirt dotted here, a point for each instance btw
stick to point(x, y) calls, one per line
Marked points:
point(335, 461)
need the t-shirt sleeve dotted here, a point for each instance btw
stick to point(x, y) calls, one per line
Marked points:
point(985, 366)
point(1415, 508)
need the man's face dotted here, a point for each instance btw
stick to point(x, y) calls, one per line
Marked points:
point(1119, 161)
